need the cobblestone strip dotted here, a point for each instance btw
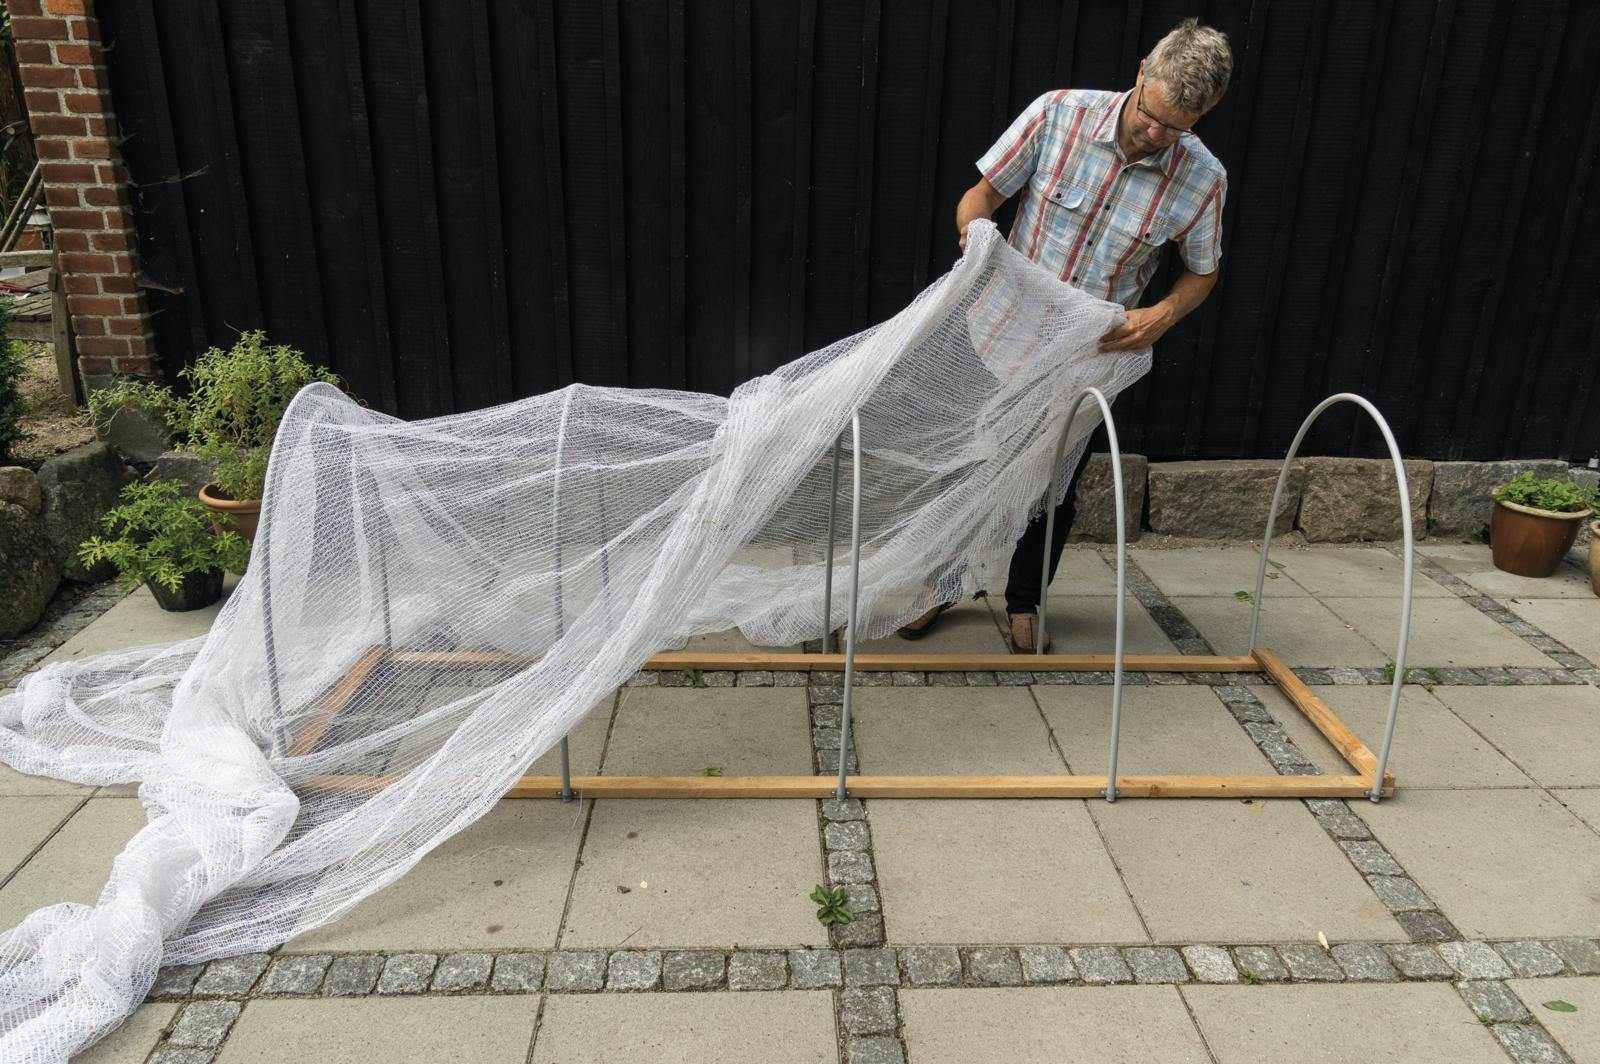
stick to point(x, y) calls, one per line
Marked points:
point(867, 973)
point(69, 612)
point(1582, 668)
point(1469, 963)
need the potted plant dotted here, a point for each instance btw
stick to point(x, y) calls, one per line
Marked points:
point(235, 401)
point(163, 538)
point(1535, 523)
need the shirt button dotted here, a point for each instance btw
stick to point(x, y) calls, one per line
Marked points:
point(1107, 207)
point(1074, 280)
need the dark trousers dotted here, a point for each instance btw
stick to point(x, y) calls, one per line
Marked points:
point(1022, 586)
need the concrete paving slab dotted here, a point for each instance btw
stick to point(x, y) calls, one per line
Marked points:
point(1047, 1025)
point(1474, 563)
point(1443, 632)
point(969, 627)
point(997, 871)
point(1575, 621)
point(500, 884)
point(74, 864)
point(785, 1027)
point(1215, 572)
point(133, 1041)
point(1227, 871)
point(1414, 1022)
point(1352, 572)
point(137, 621)
point(1501, 864)
point(29, 821)
point(1432, 746)
point(1088, 625)
point(677, 731)
point(1082, 572)
point(1578, 1032)
point(1585, 803)
point(418, 1030)
point(585, 742)
point(661, 873)
point(1179, 730)
point(914, 731)
point(732, 642)
point(1301, 630)
point(1553, 733)
point(14, 784)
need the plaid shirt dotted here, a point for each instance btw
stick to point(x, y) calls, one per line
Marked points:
point(1088, 215)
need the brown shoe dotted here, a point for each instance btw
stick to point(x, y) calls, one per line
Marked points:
point(924, 624)
point(1023, 628)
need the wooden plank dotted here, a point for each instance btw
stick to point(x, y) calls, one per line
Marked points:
point(308, 738)
point(766, 661)
point(61, 341)
point(900, 786)
point(30, 260)
point(1326, 720)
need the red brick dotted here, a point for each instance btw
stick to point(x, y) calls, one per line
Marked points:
point(35, 52)
point(91, 148)
point(142, 346)
point(51, 148)
point(103, 196)
point(93, 325)
point(80, 263)
point(78, 219)
point(49, 77)
point(111, 240)
point(118, 283)
point(86, 102)
point(59, 125)
point(61, 196)
point(23, 7)
point(98, 127)
point(97, 305)
point(126, 326)
point(136, 366)
point(66, 7)
point(68, 174)
point(94, 365)
point(78, 285)
point(86, 30)
point(75, 54)
point(42, 102)
point(38, 29)
point(106, 174)
point(92, 77)
point(66, 240)
point(103, 345)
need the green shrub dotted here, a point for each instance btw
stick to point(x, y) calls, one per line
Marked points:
point(12, 406)
point(236, 399)
point(1561, 496)
point(139, 394)
point(160, 534)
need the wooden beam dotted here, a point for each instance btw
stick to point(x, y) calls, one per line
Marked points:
point(1326, 720)
point(305, 742)
point(903, 786)
point(780, 662)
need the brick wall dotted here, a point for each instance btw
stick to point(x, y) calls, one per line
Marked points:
point(74, 127)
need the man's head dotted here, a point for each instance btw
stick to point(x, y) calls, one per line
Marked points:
point(1181, 79)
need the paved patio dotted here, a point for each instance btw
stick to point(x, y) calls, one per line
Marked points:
point(1010, 931)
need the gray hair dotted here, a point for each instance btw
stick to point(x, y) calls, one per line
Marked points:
point(1193, 64)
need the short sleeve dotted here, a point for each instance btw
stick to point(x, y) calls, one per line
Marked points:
point(1012, 159)
point(1201, 243)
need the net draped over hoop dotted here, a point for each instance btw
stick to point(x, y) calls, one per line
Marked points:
point(579, 532)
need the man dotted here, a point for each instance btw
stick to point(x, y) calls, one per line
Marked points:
point(1106, 179)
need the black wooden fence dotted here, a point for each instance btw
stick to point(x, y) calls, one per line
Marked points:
point(458, 202)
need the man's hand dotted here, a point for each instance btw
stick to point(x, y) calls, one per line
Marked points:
point(1142, 327)
point(980, 201)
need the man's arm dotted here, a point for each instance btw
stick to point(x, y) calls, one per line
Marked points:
point(1145, 325)
point(980, 201)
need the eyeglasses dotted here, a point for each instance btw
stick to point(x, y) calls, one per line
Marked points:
point(1176, 131)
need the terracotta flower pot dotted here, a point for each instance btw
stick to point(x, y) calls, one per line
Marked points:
point(197, 591)
point(245, 512)
point(1529, 541)
point(1594, 556)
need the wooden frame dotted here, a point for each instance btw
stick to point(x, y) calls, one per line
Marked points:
point(1262, 660)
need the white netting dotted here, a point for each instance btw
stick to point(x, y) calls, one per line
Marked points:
point(581, 531)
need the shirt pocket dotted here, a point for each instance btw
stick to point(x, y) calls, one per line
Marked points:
point(1066, 213)
point(1128, 241)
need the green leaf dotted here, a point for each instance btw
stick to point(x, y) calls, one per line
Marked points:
point(1560, 1006)
point(820, 895)
point(1250, 978)
point(1278, 566)
point(845, 916)
point(1244, 596)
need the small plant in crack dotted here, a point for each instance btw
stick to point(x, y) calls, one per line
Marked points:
point(831, 905)
point(711, 770)
point(1251, 978)
point(695, 678)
